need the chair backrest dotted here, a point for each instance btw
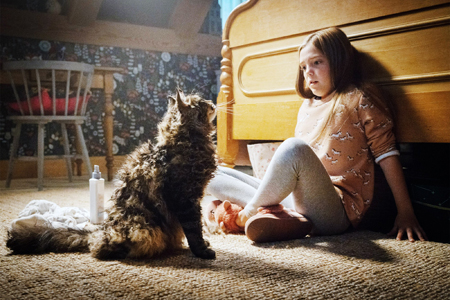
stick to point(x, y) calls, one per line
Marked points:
point(66, 80)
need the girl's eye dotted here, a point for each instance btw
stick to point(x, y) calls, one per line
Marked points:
point(212, 212)
point(303, 68)
point(317, 62)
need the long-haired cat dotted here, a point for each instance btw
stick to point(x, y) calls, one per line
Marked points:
point(157, 201)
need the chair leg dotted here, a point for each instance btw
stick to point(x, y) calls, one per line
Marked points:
point(78, 163)
point(67, 151)
point(12, 157)
point(40, 164)
point(84, 151)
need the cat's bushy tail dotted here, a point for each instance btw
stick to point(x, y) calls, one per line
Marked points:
point(42, 239)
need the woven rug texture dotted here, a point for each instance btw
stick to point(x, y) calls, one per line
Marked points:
point(355, 265)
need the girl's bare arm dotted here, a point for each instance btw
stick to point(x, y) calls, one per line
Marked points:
point(406, 221)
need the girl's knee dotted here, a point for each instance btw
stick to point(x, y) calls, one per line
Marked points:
point(294, 146)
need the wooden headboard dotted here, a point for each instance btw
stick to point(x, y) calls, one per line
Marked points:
point(405, 49)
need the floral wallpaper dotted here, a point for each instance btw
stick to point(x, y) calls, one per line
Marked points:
point(140, 94)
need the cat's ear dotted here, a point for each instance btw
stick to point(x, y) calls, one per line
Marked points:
point(172, 100)
point(180, 99)
point(181, 94)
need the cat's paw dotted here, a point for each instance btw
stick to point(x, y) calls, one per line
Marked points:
point(206, 254)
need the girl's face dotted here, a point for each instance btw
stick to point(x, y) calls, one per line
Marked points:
point(316, 70)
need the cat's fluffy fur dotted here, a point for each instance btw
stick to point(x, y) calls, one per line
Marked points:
point(157, 201)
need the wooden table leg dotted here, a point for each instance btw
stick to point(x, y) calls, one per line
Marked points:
point(108, 123)
point(104, 79)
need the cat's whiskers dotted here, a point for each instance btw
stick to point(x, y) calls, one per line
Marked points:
point(226, 110)
point(226, 103)
point(224, 107)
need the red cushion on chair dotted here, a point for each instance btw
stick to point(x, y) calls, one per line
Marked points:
point(35, 105)
point(61, 105)
point(47, 104)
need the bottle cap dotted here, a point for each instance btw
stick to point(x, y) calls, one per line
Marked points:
point(96, 174)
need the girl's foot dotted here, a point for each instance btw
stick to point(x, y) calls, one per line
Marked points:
point(274, 224)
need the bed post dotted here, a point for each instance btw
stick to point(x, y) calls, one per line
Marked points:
point(227, 148)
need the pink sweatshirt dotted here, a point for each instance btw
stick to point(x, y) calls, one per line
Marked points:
point(360, 135)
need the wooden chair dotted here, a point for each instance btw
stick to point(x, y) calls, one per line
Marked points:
point(61, 91)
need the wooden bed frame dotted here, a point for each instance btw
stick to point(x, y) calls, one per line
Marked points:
point(405, 48)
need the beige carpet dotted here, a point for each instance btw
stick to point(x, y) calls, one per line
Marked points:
point(357, 265)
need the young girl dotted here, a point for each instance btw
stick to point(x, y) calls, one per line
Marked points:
point(324, 177)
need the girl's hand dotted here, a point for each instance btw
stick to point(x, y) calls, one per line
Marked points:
point(407, 223)
point(406, 220)
point(241, 219)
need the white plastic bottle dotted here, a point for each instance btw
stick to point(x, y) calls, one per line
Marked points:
point(97, 192)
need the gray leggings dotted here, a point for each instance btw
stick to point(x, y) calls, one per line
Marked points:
point(295, 178)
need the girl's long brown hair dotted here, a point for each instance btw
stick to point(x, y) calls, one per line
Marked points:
point(341, 55)
point(345, 73)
